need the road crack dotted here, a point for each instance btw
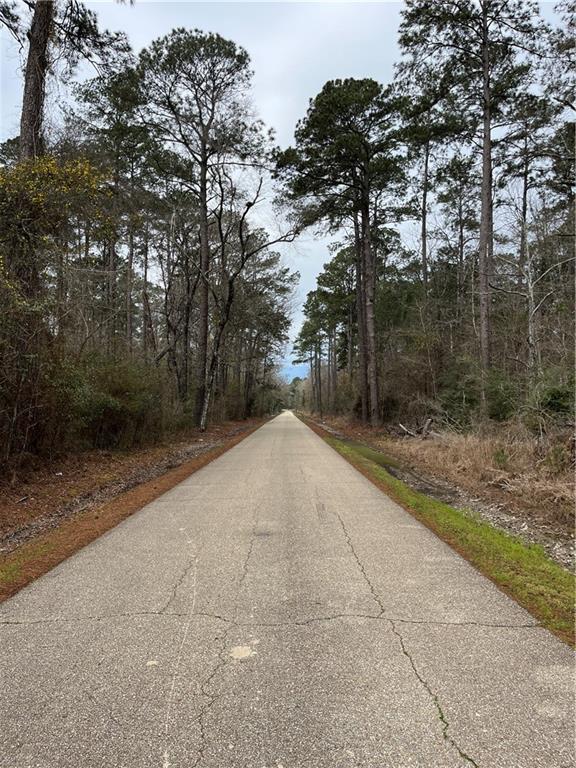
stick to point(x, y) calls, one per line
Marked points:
point(212, 697)
point(223, 660)
point(288, 623)
point(424, 683)
point(382, 616)
point(178, 583)
point(375, 596)
point(107, 711)
point(176, 672)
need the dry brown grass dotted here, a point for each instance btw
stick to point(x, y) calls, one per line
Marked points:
point(504, 462)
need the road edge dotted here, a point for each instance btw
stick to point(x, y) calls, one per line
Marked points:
point(534, 604)
point(40, 555)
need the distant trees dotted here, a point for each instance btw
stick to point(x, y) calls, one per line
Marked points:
point(153, 298)
point(478, 45)
point(193, 93)
point(342, 166)
point(142, 293)
point(470, 224)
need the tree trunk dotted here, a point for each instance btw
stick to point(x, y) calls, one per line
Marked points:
point(35, 80)
point(533, 345)
point(111, 296)
point(424, 227)
point(318, 355)
point(215, 357)
point(21, 259)
point(334, 373)
point(203, 303)
point(129, 278)
point(523, 216)
point(369, 290)
point(349, 338)
point(210, 379)
point(486, 233)
point(361, 321)
point(460, 272)
point(329, 384)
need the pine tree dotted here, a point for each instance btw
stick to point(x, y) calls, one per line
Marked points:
point(483, 46)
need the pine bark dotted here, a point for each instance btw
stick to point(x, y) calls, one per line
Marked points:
point(424, 215)
point(361, 321)
point(486, 226)
point(203, 303)
point(369, 291)
point(35, 80)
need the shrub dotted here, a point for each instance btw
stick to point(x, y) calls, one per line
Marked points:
point(117, 405)
point(503, 396)
point(459, 391)
point(557, 399)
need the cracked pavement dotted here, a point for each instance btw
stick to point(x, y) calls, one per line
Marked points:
point(277, 610)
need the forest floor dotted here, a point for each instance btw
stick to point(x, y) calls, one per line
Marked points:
point(530, 502)
point(48, 511)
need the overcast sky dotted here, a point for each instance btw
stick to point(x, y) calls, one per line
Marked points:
point(295, 48)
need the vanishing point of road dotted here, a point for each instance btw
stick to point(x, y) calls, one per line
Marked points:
point(276, 610)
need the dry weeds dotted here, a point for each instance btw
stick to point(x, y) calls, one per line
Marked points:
point(505, 464)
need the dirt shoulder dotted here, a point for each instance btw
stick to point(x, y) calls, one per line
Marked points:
point(59, 508)
point(537, 509)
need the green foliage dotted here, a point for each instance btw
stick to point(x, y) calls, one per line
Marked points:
point(116, 405)
point(557, 399)
point(37, 200)
point(459, 390)
point(550, 399)
point(503, 395)
point(344, 146)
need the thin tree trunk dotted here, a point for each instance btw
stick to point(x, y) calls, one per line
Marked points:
point(460, 272)
point(329, 373)
point(485, 243)
point(334, 373)
point(111, 291)
point(215, 357)
point(312, 384)
point(318, 354)
point(203, 304)
point(361, 321)
point(349, 338)
point(424, 226)
point(369, 286)
point(129, 268)
point(523, 217)
point(533, 346)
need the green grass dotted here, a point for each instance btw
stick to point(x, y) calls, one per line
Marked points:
point(9, 572)
point(523, 571)
point(14, 565)
point(382, 459)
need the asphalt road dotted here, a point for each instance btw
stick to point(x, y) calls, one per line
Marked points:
point(276, 610)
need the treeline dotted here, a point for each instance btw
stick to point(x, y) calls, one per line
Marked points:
point(450, 293)
point(139, 291)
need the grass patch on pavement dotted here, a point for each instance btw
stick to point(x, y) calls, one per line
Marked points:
point(521, 570)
